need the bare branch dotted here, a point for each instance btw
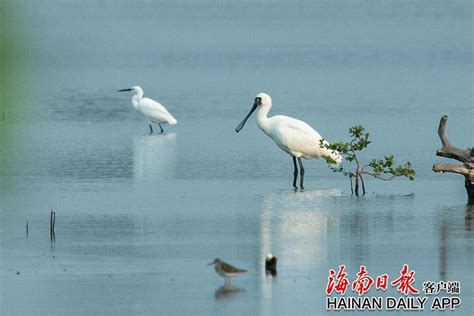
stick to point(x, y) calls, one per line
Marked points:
point(444, 167)
point(448, 150)
point(379, 176)
point(442, 131)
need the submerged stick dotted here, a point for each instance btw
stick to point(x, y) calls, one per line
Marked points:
point(52, 224)
point(26, 228)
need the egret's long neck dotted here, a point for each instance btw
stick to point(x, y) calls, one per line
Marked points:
point(139, 93)
point(135, 100)
point(262, 118)
point(137, 97)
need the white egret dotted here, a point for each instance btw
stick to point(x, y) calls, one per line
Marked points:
point(154, 111)
point(293, 136)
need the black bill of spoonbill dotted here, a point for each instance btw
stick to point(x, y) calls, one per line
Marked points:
point(154, 111)
point(293, 136)
point(225, 270)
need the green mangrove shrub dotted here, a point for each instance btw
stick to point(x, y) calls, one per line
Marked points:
point(355, 169)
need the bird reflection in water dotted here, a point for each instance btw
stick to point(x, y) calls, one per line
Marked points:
point(226, 291)
point(154, 156)
point(296, 225)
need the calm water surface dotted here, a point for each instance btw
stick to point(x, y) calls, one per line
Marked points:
point(139, 216)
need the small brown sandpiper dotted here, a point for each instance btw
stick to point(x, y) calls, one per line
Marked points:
point(225, 270)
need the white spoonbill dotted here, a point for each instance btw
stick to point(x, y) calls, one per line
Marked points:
point(154, 111)
point(293, 136)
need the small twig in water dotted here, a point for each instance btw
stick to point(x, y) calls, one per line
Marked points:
point(52, 224)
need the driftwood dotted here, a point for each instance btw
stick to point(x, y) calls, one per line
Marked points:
point(452, 152)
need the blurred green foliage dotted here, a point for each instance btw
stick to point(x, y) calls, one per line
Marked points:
point(15, 45)
point(8, 67)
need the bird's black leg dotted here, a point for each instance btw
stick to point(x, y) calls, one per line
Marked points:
point(295, 172)
point(301, 173)
point(161, 128)
point(151, 129)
